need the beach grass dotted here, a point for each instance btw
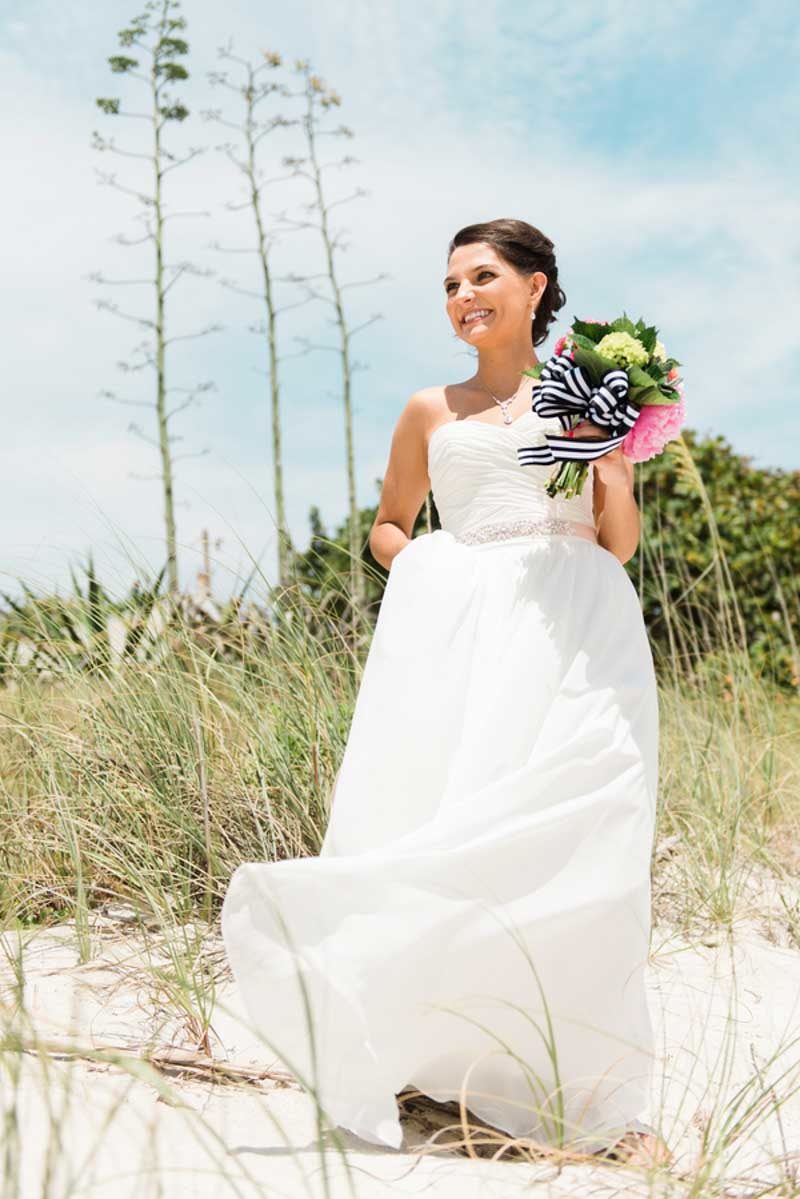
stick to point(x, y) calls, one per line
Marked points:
point(130, 790)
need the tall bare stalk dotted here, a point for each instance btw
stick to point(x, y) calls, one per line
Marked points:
point(319, 97)
point(253, 90)
point(156, 34)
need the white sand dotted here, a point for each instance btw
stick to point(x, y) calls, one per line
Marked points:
point(725, 1017)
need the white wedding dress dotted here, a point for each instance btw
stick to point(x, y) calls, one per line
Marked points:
point(479, 915)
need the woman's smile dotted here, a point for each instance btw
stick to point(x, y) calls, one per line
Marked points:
point(476, 316)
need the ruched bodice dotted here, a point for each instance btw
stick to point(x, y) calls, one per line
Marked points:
point(477, 480)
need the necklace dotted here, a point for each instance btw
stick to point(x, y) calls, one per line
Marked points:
point(505, 404)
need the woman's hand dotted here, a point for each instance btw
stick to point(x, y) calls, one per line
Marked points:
point(616, 514)
point(613, 469)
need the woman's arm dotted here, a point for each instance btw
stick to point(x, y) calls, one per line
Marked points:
point(405, 482)
point(616, 513)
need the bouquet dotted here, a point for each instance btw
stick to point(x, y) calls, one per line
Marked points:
point(617, 375)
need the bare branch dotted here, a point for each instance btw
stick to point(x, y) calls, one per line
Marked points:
point(143, 348)
point(319, 296)
point(110, 181)
point(134, 428)
point(209, 385)
point(262, 182)
point(309, 345)
point(122, 240)
point(278, 123)
point(297, 304)
point(200, 272)
point(170, 216)
point(133, 367)
point(292, 277)
point(360, 191)
point(352, 332)
point(97, 277)
point(215, 245)
point(348, 160)
point(179, 162)
point(283, 357)
point(186, 268)
point(260, 327)
point(294, 224)
point(231, 207)
point(364, 282)
point(229, 285)
point(214, 115)
point(187, 403)
point(107, 145)
point(231, 156)
point(198, 454)
point(217, 328)
point(107, 306)
point(109, 395)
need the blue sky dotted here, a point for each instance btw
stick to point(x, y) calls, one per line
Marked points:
point(656, 145)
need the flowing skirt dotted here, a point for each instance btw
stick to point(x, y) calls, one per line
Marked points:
point(478, 920)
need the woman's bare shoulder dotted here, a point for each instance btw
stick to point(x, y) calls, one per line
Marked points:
point(429, 399)
point(431, 406)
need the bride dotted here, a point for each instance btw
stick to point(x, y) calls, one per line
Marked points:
point(477, 922)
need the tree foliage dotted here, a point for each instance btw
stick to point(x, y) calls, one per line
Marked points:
point(718, 531)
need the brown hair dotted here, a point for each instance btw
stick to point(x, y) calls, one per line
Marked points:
point(526, 249)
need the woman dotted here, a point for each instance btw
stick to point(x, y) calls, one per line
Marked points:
point(478, 919)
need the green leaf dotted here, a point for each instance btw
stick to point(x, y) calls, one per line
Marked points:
point(644, 389)
point(174, 112)
point(588, 329)
point(648, 337)
point(172, 71)
point(623, 324)
point(173, 45)
point(594, 364)
point(585, 343)
point(120, 64)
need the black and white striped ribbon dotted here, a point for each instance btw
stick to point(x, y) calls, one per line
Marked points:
point(566, 391)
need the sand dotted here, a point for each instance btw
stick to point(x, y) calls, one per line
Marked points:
point(726, 1092)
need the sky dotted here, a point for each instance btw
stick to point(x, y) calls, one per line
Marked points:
point(654, 143)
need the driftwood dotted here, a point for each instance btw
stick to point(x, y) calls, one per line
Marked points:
point(168, 1059)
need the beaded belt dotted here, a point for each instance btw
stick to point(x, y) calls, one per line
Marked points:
point(528, 528)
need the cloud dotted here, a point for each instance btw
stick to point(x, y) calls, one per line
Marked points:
point(452, 127)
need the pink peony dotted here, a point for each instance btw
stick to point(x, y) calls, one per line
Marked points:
point(655, 425)
point(565, 345)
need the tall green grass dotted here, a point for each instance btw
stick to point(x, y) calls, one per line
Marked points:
point(144, 778)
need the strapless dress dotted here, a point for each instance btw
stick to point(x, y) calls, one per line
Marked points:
point(478, 919)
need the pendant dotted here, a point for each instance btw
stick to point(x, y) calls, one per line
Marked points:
point(504, 406)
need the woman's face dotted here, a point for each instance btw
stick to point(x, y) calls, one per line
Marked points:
point(479, 281)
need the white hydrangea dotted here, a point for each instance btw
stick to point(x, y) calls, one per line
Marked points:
point(622, 349)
